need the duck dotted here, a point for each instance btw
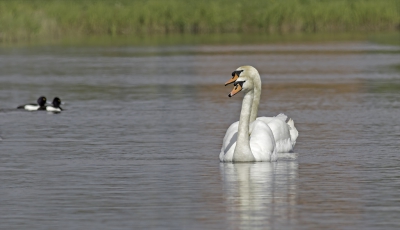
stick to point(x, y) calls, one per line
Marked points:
point(41, 101)
point(283, 128)
point(55, 107)
point(247, 141)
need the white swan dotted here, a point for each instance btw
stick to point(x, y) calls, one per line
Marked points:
point(285, 133)
point(239, 145)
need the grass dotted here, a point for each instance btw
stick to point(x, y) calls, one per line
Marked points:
point(25, 20)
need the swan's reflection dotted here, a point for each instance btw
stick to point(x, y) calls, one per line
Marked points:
point(260, 195)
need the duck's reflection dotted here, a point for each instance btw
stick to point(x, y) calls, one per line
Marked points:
point(260, 195)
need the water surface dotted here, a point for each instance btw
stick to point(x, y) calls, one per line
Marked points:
point(138, 143)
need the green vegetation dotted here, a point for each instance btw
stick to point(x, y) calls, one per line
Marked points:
point(25, 20)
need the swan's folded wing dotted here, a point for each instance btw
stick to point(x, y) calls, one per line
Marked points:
point(262, 142)
point(229, 142)
point(281, 131)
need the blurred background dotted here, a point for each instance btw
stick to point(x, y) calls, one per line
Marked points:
point(146, 109)
point(55, 20)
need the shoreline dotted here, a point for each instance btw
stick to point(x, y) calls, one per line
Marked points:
point(40, 20)
point(388, 38)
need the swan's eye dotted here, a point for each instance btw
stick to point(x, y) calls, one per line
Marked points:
point(237, 72)
point(239, 83)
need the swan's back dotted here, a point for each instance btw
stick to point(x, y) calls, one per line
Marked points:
point(285, 133)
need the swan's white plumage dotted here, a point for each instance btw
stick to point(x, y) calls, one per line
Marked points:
point(281, 131)
point(293, 132)
point(285, 133)
point(241, 145)
point(278, 124)
point(267, 135)
point(262, 143)
point(229, 142)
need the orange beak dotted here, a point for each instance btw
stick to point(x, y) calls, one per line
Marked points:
point(235, 90)
point(232, 80)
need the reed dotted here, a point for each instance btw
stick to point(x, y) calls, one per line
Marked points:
point(24, 20)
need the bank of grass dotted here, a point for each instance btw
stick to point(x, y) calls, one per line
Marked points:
point(24, 20)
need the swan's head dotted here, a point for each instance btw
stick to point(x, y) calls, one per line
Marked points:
point(243, 79)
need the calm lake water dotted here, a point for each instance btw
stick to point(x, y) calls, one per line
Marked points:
point(138, 143)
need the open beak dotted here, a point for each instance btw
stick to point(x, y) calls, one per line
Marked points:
point(238, 87)
point(232, 80)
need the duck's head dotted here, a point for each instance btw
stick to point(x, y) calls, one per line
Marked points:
point(56, 102)
point(243, 79)
point(41, 101)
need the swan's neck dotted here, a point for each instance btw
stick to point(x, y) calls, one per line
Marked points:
point(256, 99)
point(242, 150)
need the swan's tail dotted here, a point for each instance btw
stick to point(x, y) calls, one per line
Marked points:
point(293, 131)
point(282, 117)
